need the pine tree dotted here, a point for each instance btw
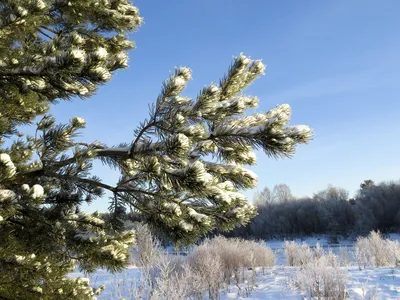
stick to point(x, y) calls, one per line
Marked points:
point(183, 171)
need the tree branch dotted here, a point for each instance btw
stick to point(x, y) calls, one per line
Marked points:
point(102, 185)
point(132, 204)
point(117, 152)
point(144, 129)
point(92, 182)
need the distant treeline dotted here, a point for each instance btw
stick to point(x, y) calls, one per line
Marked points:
point(331, 211)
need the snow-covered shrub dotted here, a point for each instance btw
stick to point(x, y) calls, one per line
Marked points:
point(206, 263)
point(232, 257)
point(168, 277)
point(172, 264)
point(171, 280)
point(394, 250)
point(147, 247)
point(376, 251)
point(254, 255)
point(322, 278)
point(208, 267)
point(239, 255)
point(344, 257)
point(177, 262)
point(318, 251)
point(296, 254)
point(263, 256)
point(162, 276)
point(221, 260)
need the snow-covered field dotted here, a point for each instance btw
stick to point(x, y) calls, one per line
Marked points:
point(371, 283)
point(278, 282)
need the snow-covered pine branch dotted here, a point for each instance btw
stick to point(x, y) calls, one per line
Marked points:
point(184, 170)
point(176, 158)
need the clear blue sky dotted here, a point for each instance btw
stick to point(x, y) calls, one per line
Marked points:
point(335, 62)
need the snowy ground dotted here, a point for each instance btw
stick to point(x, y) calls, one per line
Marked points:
point(371, 283)
point(278, 282)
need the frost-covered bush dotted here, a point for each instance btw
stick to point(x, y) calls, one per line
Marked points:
point(345, 257)
point(238, 255)
point(147, 247)
point(262, 256)
point(173, 279)
point(164, 277)
point(168, 278)
point(221, 260)
point(208, 267)
point(320, 274)
point(322, 278)
point(233, 257)
point(206, 262)
point(296, 254)
point(318, 251)
point(376, 251)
